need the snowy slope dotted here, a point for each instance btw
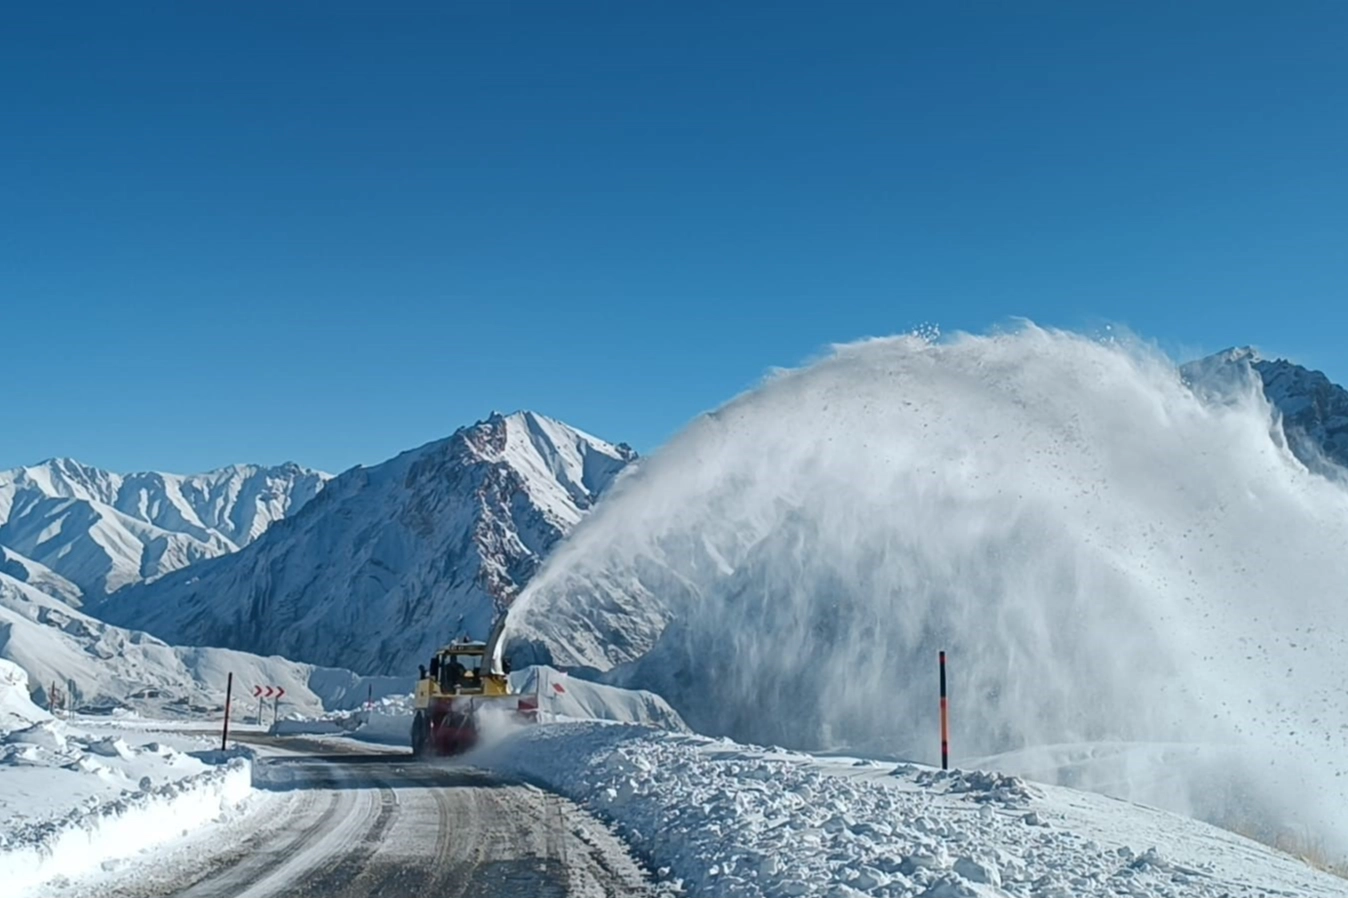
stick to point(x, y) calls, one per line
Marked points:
point(1313, 411)
point(101, 530)
point(726, 819)
point(1106, 555)
point(17, 710)
point(113, 668)
point(391, 561)
point(35, 574)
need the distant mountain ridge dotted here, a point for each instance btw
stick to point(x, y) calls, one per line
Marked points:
point(1314, 410)
point(101, 530)
point(102, 667)
point(392, 560)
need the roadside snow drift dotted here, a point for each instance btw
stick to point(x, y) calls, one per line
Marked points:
point(71, 800)
point(733, 820)
point(1106, 554)
point(94, 833)
point(561, 697)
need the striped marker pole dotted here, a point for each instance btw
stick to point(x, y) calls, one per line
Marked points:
point(945, 721)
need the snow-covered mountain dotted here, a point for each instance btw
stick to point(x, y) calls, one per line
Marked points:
point(106, 667)
point(1313, 409)
point(101, 531)
point(390, 561)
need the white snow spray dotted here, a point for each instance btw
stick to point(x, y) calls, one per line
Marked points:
point(1140, 589)
point(495, 722)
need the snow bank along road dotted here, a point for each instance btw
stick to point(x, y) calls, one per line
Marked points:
point(331, 820)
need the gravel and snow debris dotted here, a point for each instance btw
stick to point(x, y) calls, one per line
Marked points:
point(733, 820)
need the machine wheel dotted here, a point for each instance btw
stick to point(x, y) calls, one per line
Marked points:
point(421, 734)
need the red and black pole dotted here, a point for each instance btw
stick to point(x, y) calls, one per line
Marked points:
point(229, 690)
point(945, 720)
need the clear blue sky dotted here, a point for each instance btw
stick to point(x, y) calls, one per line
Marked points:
point(328, 232)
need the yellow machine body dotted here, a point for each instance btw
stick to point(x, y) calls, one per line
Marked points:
point(451, 692)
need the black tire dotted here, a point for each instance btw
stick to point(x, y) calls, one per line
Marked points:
point(420, 735)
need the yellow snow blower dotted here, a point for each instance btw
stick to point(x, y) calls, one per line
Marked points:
point(461, 681)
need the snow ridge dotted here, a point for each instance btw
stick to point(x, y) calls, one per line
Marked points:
point(392, 560)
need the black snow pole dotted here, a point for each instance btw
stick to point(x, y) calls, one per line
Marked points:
point(229, 690)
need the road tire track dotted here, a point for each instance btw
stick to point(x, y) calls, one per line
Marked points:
point(262, 855)
point(383, 824)
point(340, 879)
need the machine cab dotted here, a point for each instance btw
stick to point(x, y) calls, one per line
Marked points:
point(461, 668)
point(458, 668)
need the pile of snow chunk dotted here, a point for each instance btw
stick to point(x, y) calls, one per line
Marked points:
point(71, 801)
point(90, 836)
point(731, 820)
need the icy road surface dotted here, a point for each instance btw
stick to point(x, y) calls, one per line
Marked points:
point(331, 821)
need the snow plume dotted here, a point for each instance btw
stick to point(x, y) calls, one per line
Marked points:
point(1109, 558)
point(496, 722)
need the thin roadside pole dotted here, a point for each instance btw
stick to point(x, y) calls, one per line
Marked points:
point(945, 720)
point(229, 691)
